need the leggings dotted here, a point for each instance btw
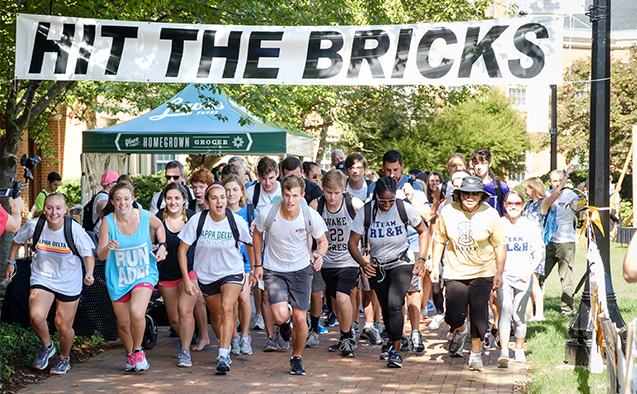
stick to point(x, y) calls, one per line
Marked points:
point(513, 298)
point(475, 294)
point(437, 296)
point(391, 287)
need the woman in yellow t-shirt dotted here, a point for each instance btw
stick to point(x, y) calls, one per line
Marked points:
point(475, 255)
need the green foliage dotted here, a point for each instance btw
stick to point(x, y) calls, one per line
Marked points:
point(146, 186)
point(18, 347)
point(95, 340)
point(71, 188)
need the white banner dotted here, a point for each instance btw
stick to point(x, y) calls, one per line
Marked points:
point(512, 51)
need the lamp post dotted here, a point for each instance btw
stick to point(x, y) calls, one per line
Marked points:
point(598, 179)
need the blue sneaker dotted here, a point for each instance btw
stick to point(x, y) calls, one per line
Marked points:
point(430, 306)
point(383, 334)
point(322, 329)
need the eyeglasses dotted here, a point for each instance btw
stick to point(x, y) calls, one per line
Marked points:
point(513, 204)
point(390, 201)
point(173, 177)
point(472, 193)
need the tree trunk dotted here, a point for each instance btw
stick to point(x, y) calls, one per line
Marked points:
point(320, 152)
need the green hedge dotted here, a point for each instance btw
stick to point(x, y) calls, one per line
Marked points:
point(146, 186)
point(72, 190)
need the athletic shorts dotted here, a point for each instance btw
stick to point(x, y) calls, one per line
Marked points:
point(58, 296)
point(341, 280)
point(126, 297)
point(363, 281)
point(293, 286)
point(415, 285)
point(318, 284)
point(213, 288)
point(175, 283)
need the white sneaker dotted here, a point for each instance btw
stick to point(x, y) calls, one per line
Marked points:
point(141, 363)
point(519, 356)
point(475, 362)
point(504, 357)
point(436, 321)
point(258, 323)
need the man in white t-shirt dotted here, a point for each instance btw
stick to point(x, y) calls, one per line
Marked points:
point(560, 250)
point(267, 188)
point(288, 264)
point(355, 167)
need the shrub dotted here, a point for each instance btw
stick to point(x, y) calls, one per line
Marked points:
point(18, 347)
point(146, 186)
point(72, 190)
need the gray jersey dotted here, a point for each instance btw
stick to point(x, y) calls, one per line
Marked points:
point(339, 225)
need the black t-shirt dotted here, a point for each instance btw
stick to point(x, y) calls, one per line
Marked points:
point(169, 268)
point(312, 191)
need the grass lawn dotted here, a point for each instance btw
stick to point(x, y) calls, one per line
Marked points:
point(547, 340)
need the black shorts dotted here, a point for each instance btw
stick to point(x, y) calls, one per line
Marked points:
point(213, 288)
point(58, 296)
point(341, 280)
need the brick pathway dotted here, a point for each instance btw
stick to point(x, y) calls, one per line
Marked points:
point(434, 372)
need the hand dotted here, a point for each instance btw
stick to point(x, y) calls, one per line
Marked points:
point(497, 281)
point(419, 268)
point(258, 274)
point(409, 191)
point(525, 279)
point(318, 261)
point(112, 244)
point(161, 253)
point(369, 270)
point(435, 276)
point(89, 279)
point(190, 287)
point(571, 168)
point(17, 204)
point(252, 280)
point(10, 271)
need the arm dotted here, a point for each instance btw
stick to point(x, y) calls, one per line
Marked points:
point(12, 255)
point(548, 201)
point(105, 244)
point(630, 262)
point(423, 241)
point(14, 221)
point(89, 264)
point(100, 205)
point(500, 258)
point(438, 248)
point(321, 249)
point(182, 256)
point(158, 227)
point(369, 269)
point(250, 253)
point(257, 242)
point(314, 204)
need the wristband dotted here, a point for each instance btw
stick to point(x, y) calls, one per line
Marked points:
point(319, 253)
point(422, 258)
point(164, 244)
point(12, 262)
point(258, 266)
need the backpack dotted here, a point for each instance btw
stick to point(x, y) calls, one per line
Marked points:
point(256, 194)
point(68, 233)
point(87, 213)
point(276, 204)
point(367, 218)
point(348, 204)
point(231, 222)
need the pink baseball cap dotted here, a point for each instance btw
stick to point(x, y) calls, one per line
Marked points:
point(109, 177)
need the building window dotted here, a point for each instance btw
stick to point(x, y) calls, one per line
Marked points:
point(161, 161)
point(518, 95)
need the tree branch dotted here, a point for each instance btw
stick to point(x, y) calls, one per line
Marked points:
point(48, 97)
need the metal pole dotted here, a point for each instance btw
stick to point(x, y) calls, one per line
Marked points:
point(598, 180)
point(553, 130)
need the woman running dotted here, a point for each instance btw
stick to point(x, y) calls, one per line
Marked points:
point(392, 264)
point(218, 264)
point(525, 251)
point(239, 204)
point(56, 275)
point(131, 267)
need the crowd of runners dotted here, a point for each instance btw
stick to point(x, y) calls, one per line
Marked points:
point(303, 242)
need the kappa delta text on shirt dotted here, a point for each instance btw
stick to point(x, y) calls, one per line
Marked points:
point(215, 237)
point(392, 228)
point(132, 263)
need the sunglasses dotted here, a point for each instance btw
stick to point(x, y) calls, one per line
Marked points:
point(318, 177)
point(173, 177)
point(472, 193)
point(390, 201)
point(513, 204)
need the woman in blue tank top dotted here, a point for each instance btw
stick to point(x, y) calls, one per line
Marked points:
point(131, 268)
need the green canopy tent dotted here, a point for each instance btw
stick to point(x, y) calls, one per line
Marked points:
point(226, 129)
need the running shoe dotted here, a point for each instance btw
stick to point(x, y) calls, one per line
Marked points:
point(504, 357)
point(223, 365)
point(331, 320)
point(322, 329)
point(325, 309)
point(235, 346)
point(347, 348)
point(430, 306)
point(475, 362)
point(378, 326)
point(44, 355)
point(404, 344)
point(141, 363)
point(283, 344)
point(355, 326)
point(312, 339)
point(245, 345)
point(258, 323)
point(436, 321)
point(130, 362)
point(285, 329)
point(519, 356)
point(335, 347)
point(385, 350)
point(296, 366)
point(383, 334)
point(416, 342)
point(457, 342)
point(394, 360)
point(184, 359)
point(60, 366)
point(270, 345)
point(372, 335)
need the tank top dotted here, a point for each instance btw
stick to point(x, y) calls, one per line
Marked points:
point(169, 268)
point(131, 263)
point(339, 225)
